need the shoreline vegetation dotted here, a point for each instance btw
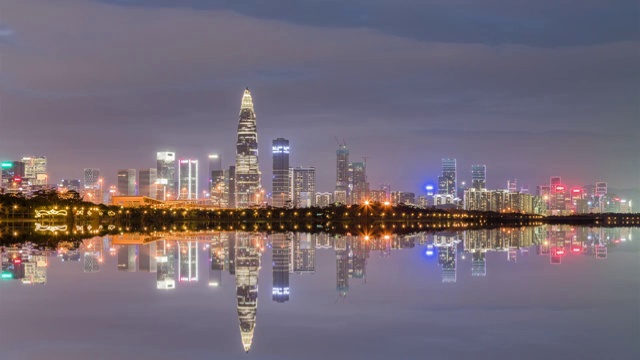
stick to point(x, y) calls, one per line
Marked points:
point(47, 214)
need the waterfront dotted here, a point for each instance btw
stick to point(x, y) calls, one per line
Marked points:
point(552, 292)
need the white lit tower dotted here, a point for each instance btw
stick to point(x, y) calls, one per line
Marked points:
point(247, 173)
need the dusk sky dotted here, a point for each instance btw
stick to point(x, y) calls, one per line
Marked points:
point(529, 88)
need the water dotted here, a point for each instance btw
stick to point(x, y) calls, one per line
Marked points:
point(547, 292)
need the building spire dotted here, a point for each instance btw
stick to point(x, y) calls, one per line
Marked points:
point(247, 102)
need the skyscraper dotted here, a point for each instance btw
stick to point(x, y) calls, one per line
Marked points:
point(231, 187)
point(188, 179)
point(35, 170)
point(447, 182)
point(12, 173)
point(215, 164)
point(247, 174)
point(188, 261)
point(147, 184)
point(91, 179)
point(127, 182)
point(359, 187)
point(601, 189)
point(281, 186)
point(303, 186)
point(479, 177)
point(342, 169)
point(166, 169)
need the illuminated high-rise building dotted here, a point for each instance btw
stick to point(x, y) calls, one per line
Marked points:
point(166, 169)
point(231, 187)
point(127, 182)
point(554, 181)
point(342, 169)
point(91, 179)
point(303, 186)
point(281, 242)
point(147, 183)
point(187, 179)
point(247, 174)
point(12, 173)
point(512, 185)
point(447, 259)
point(70, 184)
point(281, 184)
point(35, 170)
point(447, 182)
point(479, 177)
point(247, 267)
point(601, 189)
point(219, 188)
point(359, 187)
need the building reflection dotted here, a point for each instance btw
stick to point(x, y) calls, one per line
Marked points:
point(294, 254)
point(280, 248)
point(188, 261)
point(247, 266)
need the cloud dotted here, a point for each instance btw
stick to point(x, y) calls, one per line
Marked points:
point(124, 82)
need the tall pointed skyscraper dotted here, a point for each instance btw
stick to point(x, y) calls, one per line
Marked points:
point(247, 179)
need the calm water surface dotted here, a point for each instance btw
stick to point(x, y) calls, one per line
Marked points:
point(549, 292)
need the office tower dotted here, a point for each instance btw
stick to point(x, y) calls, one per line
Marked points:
point(303, 186)
point(165, 264)
point(601, 189)
point(386, 191)
point(558, 197)
point(280, 255)
point(342, 169)
point(340, 197)
point(247, 268)
point(147, 257)
point(324, 199)
point(512, 185)
point(359, 186)
point(360, 253)
point(165, 175)
point(554, 181)
point(219, 191)
point(35, 170)
point(215, 162)
point(12, 173)
point(231, 187)
point(479, 177)
point(92, 179)
point(247, 174)
point(188, 261)
point(147, 184)
point(303, 253)
point(127, 182)
point(71, 184)
point(447, 182)
point(281, 186)
point(188, 179)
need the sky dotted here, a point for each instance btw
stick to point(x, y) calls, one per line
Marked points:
point(532, 89)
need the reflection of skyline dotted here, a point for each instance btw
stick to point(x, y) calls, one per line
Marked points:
point(240, 253)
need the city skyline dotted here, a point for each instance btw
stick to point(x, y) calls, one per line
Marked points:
point(515, 100)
